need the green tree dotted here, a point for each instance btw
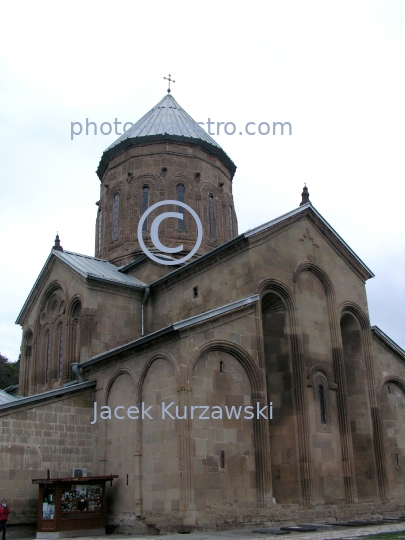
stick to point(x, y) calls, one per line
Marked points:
point(9, 372)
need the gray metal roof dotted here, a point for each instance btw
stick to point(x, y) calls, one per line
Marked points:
point(91, 267)
point(166, 117)
point(46, 395)
point(7, 398)
point(166, 121)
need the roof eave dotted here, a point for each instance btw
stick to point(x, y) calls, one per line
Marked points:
point(175, 327)
point(110, 153)
point(382, 338)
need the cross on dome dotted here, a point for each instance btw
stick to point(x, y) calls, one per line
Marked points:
point(170, 80)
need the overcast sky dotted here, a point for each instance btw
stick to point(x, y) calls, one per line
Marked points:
point(334, 70)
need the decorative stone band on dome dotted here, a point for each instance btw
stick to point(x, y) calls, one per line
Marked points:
point(167, 121)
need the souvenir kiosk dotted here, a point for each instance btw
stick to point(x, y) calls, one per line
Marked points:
point(72, 506)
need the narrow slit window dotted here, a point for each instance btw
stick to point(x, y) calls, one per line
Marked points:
point(115, 216)
point(221, 367)
point(181, 226)
point(212, 218)
point(100, 224)
point(230, 222)
point(322, 404)
point(61, 346)
point(222, 459)
point(48, 356)
point(145, 206)
point(195, 291)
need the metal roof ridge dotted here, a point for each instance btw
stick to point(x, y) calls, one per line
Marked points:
point(216, 311)
point(49, 393)
point(172, 327)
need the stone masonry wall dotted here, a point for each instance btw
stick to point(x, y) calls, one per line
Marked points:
point(53, 435)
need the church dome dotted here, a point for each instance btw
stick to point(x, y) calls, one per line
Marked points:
point(166, 121)
point(165, 156)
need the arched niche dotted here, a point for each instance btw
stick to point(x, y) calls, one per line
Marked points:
point(222, 450)
point(279, 373)
point(392, 407)
point(159, 439)
point(359, 407)
point(120, 440)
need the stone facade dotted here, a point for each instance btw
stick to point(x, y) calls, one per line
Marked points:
point(161, 168)
point(277, 315)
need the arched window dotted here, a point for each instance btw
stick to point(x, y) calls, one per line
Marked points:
point(47, 355)
point(181, 226)
point(76, 332)
point(212, 218)
point(60, 350)
point(322, 408)
point(230, 222)
point(145, 206)
point(28, 347)
point(27, 366)
point(100, 224)
point(321, 390)
point(115, 216)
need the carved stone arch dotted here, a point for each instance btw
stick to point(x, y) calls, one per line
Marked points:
point(255, 383)
point(73, 332)
point(154, 183)
point(311, 266)
point(319, 368)
point(276, 286)
point(153, 180)
point(340, 376)
point(206, 189)
point(59, 346)
point(53, 287)
point(392, 417)
point(119, 189)
point(280, 289)
point(76, 299)
point(46, 331)
point(149, 362)
point(114, 376)
point(190, 230)
point(172, 180)
point(394, 379)
point(321, 394)
point(27, 358)
point(356, 312)
point(364, 357)
point(235, 350)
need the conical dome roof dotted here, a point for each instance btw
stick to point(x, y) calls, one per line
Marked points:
point(166, 121)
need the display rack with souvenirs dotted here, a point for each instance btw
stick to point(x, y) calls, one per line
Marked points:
point(82, 498)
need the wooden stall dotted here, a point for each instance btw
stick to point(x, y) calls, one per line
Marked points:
point(72, 506)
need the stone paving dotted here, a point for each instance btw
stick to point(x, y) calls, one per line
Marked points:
point(341, 533)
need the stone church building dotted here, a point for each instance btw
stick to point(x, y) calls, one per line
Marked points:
point(277, 315)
